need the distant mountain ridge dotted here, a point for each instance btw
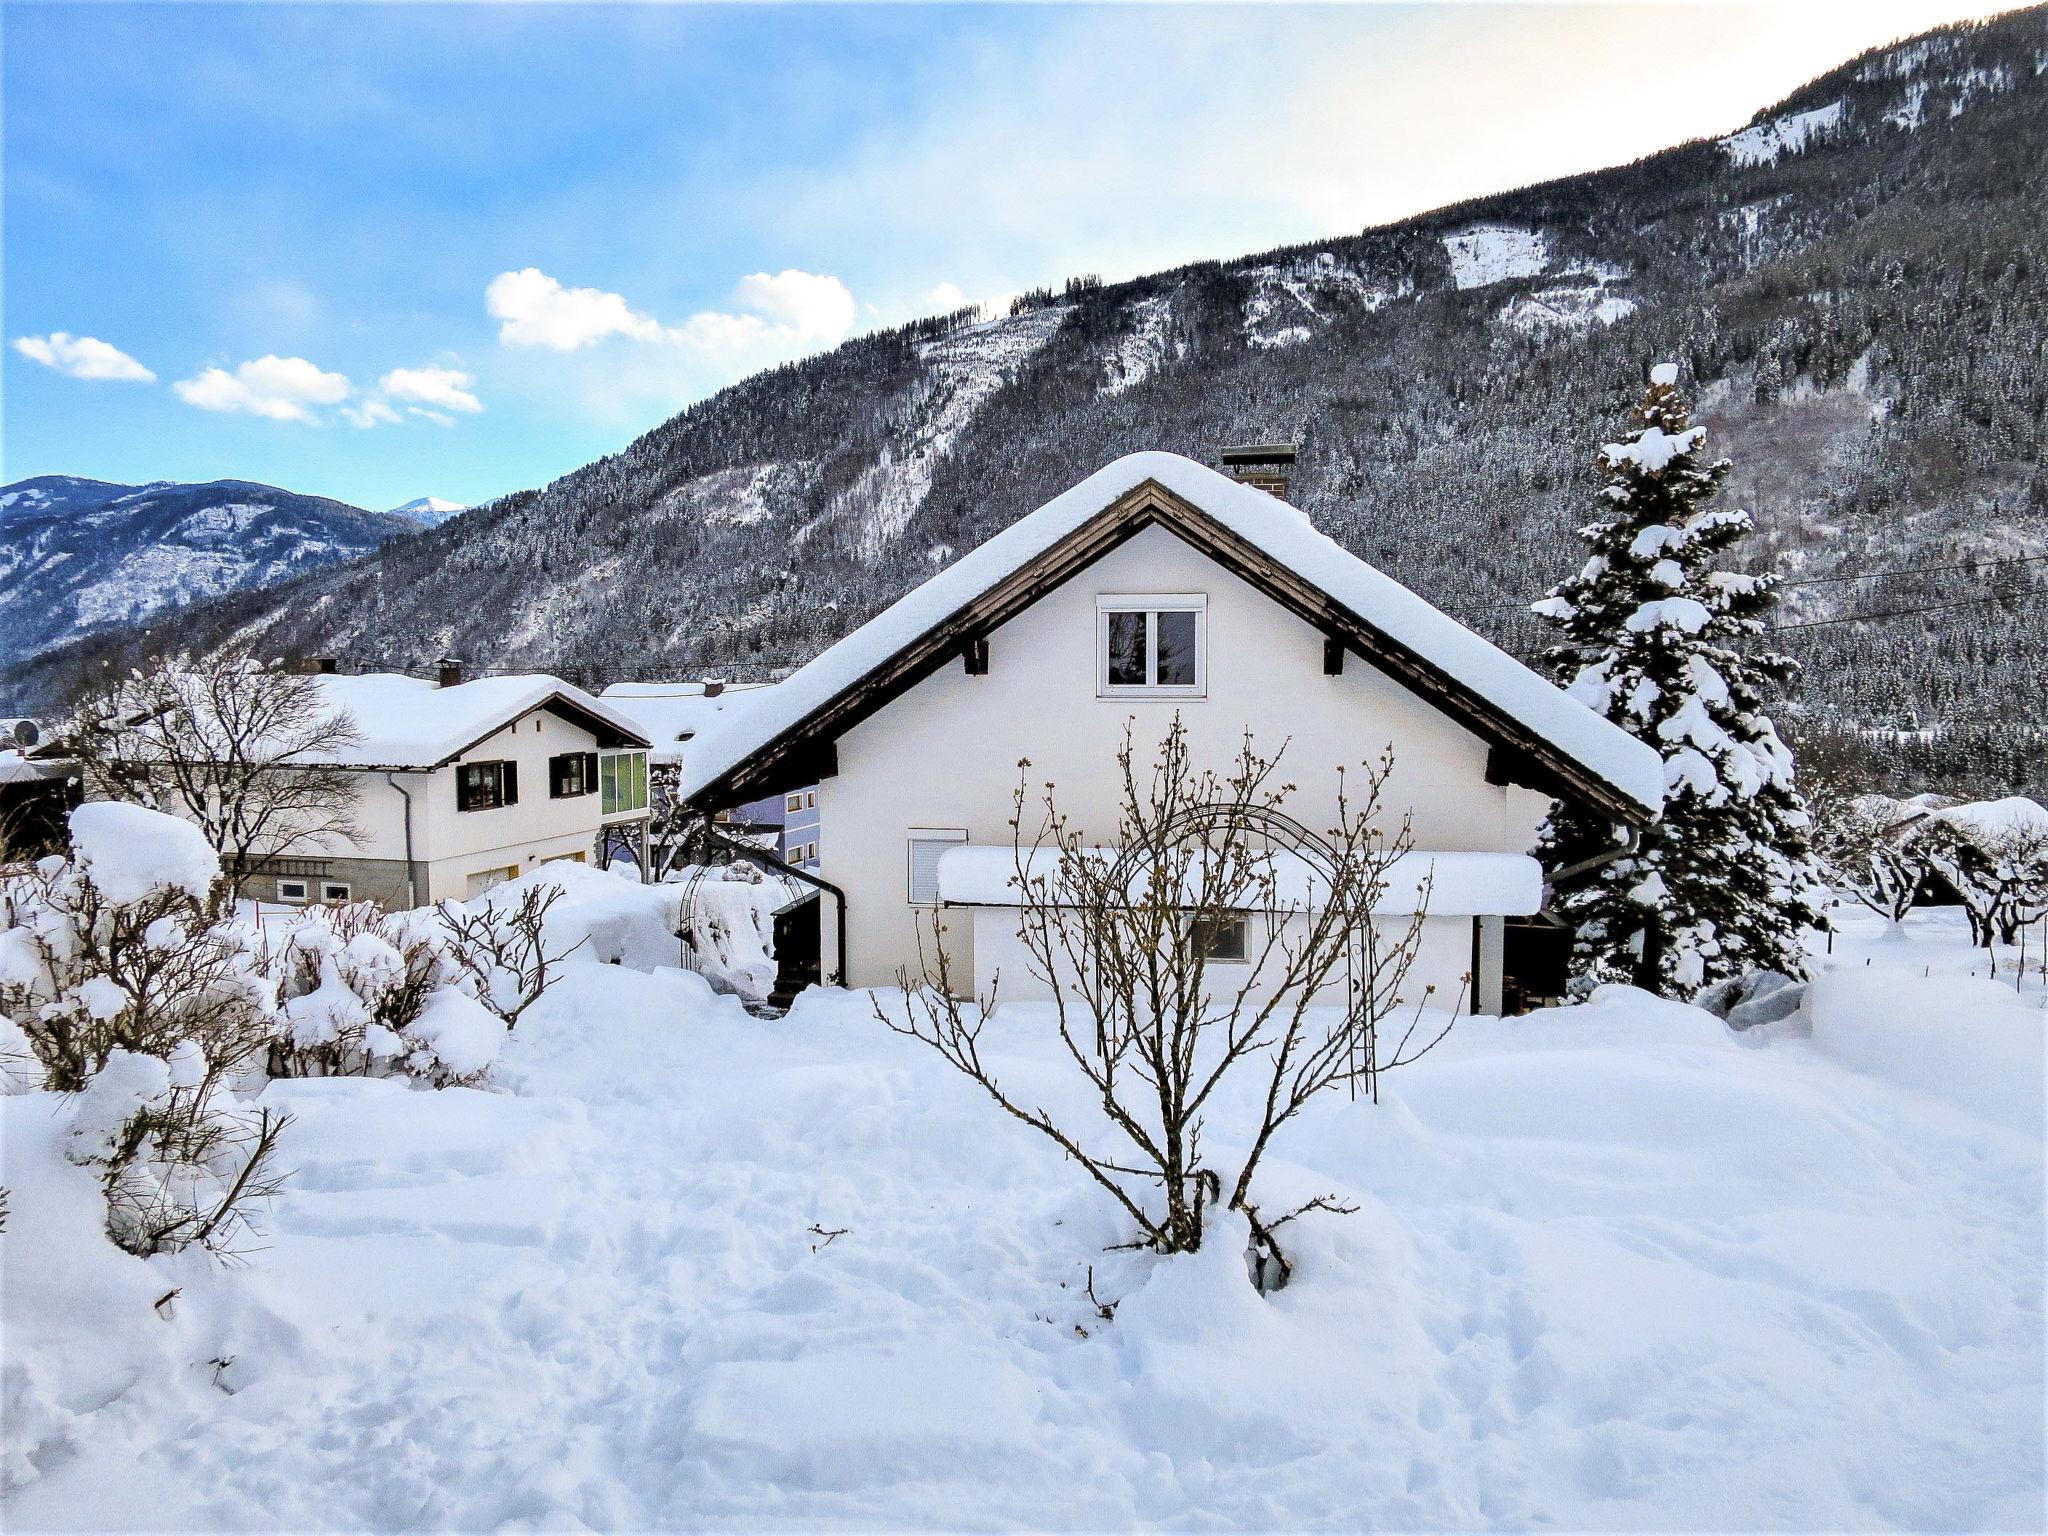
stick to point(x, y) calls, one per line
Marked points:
point(78, 556)
point(1854, 284)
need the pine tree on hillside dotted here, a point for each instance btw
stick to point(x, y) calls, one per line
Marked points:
point(1725, 882)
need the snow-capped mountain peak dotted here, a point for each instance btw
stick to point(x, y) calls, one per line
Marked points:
point(428, 511)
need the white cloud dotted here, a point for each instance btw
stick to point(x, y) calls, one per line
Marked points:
point(83, 357)
point(448, 388)
point(438, 418)
point(787, 312)
point(802, 305)
point(369, 412)
point(536, 311)
point(280, 388)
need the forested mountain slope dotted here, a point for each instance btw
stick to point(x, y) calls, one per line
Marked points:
point(1856, 285)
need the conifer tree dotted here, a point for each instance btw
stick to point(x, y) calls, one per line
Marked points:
point(1653, 638)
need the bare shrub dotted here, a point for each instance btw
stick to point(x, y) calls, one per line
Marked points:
point(1121, 935)
point(1872, 847)
point(506, 949)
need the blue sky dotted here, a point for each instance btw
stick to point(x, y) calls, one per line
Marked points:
point(380, 251)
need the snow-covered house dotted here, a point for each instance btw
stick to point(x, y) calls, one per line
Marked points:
point(465, 785)
point(674, 714)
point(1157, 586)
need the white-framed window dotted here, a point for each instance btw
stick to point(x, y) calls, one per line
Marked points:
point(810, 799)
point(810, 853)
point(926, 845)
point(293, 891)
point(622, 782)
point(334, 890)
point(1152, 645)
point(1225, 939)
point(792, 803)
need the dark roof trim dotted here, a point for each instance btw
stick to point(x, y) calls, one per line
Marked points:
point(793, 757)
point(608, 735)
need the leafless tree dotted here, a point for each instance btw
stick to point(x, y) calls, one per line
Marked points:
point(2000, 874)
point(243, 749)
point(1123, 936)
point(1872, 847)
point(506, 948)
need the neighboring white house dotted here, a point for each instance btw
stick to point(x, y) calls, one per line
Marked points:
point(462, 786)
point(1158, 586)
point(672, 715)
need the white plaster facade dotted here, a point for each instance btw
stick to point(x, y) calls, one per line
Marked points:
point(945, 754)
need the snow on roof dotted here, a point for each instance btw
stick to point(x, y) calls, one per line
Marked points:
point(1282, 533)
point(1993, 818)
point(408, 722)
point(670, 714)
point(1459, 884)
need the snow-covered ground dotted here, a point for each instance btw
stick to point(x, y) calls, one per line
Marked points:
point(1613, 1267)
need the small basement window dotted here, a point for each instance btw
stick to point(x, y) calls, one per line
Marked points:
point(334, 890)
point(927, 845)
point(1151, 645)
point(1226, 939)
point(293, 890)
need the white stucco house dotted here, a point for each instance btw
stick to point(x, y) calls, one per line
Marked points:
point(1152, 587)
point(460, 785)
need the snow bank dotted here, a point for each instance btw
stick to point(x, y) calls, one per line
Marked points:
point(130, 850)
point(1612, 1267)
point(1976, 1043)
point(612, 919)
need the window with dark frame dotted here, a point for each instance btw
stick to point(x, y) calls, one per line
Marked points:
point(571, 774)
point(486, 786)
point(1225, 938)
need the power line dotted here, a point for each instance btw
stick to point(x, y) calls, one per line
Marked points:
point(1820, 581)
point(1894, 613)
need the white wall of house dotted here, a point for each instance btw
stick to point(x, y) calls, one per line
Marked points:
point(451, 846)
point(945, 754)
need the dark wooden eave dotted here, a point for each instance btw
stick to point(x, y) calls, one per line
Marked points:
point(805, 751)
point(608, 735)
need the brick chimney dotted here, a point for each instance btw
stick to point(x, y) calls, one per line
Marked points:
point(713, 687)
point(1268, 466)
point(448, 672)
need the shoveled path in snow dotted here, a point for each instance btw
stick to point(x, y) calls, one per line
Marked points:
point(1612, 1267)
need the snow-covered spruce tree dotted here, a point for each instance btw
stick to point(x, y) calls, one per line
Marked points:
point(1654, 639)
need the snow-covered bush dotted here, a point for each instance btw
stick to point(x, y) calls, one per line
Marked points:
point(115, 984)
point(363, 992)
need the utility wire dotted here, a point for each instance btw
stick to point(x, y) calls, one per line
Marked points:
point(1894, 613)
point(1821, 581)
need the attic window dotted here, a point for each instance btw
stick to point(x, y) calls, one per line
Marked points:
point(1151, 645)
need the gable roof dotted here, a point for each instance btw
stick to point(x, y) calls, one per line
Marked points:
point(408, 722)
point(1542, 737)
point(673, 714)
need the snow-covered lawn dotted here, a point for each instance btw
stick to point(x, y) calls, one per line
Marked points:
point(1613, 1267)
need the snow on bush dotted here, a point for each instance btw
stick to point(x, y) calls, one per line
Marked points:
point(362, 992)
point(129, 851)
point(124, 994)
